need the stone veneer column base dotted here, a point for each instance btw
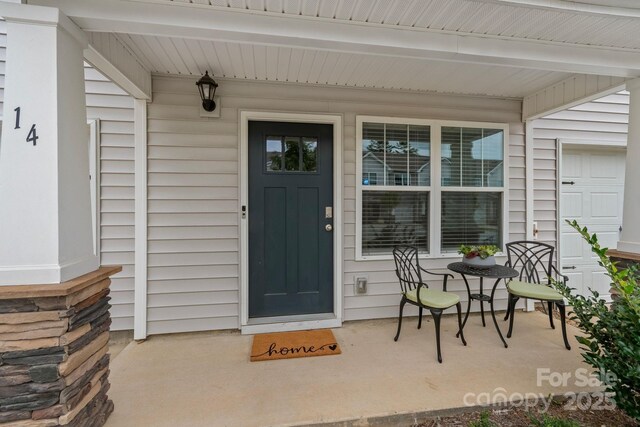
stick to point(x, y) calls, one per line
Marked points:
point(54, 339)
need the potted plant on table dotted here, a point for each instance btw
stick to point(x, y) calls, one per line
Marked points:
point(479, 256)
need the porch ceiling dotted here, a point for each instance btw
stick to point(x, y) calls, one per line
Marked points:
point(608, 23)
point(504, 48)
point(171, 55)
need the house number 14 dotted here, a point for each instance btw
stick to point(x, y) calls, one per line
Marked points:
point(32, 136)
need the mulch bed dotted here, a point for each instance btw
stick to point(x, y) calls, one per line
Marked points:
point(519, 416)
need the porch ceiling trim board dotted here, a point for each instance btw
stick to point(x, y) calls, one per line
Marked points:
point(472, 16)
point(106, 53)
point(210, 23)
point(570, 92)
point(623, 9)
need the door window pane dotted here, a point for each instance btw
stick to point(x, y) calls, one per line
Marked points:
point(291, 154)
point(391, 218)
point(273, 148)
point(309, 154)
point(471, 218)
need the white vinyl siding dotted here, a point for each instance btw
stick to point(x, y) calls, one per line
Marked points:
point(3, 57)
point(114, 108)
point(193, 229)
point(603, 120)
point(193, 192)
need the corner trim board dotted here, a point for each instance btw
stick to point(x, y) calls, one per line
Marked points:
point(140, 281)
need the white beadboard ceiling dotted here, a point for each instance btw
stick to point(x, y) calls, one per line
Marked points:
point(169, 55)
point(504, 48)
point(596, 23)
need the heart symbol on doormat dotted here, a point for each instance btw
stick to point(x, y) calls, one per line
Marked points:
point(333, 347)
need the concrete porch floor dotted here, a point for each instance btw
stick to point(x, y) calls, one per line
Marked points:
point(206, 379)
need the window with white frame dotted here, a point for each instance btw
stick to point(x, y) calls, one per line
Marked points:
point(458, 198)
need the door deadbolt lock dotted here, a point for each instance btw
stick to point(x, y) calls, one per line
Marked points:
point(328, 212)
point(328, 227)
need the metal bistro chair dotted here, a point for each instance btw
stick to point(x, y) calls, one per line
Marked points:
point(415, 291)
point(529, 258)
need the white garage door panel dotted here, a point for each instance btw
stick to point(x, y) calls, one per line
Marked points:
point(605, 205)
point(572, 247)
point(575, 277)
point(572, 165)
point(594, 199)
point(603, 167)
point(600, 282)
point(572, 204)
point(608, 239)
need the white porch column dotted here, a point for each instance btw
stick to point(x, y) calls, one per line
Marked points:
point(630, 238)
point(45, 212)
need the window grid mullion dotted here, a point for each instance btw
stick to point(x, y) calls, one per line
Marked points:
point(408, 169)
point(482, 177)
point(384, 154)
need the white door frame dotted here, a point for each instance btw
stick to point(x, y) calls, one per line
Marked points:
point(560, 144)
point(289, 323)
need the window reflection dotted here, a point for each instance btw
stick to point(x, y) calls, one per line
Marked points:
point(373, 167)
point(472, 157)
point(291, 154)
point(396, 154)
point(392, 218)
point(309, 154)
point(274, 153)
point(471, 218)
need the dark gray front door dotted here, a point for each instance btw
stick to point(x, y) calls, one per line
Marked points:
point(290, 219)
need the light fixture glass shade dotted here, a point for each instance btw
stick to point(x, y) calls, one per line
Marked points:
point(207, 88)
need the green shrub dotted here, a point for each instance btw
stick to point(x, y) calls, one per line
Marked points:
point(611, 341)
point(549, 421)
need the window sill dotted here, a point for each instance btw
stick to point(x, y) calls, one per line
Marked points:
point(447, 256)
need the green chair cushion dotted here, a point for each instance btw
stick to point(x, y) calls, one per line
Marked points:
point(433, 298)
point(533, 291)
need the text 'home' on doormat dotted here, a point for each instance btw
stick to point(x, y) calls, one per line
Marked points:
point(289, 345)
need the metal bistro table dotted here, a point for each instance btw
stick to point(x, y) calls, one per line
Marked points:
point(497, 272)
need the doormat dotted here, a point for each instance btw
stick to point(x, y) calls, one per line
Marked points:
point(289, 345)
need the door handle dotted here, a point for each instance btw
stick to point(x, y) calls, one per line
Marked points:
point(328, 227)
point(573, 267)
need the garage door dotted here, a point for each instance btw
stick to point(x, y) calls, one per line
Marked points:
point(592, 193)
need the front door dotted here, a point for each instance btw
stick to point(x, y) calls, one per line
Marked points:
point(290, 219)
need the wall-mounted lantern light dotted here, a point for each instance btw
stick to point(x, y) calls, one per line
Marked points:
point(207, 87)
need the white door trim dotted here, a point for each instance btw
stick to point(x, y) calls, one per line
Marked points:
point(243, 174)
